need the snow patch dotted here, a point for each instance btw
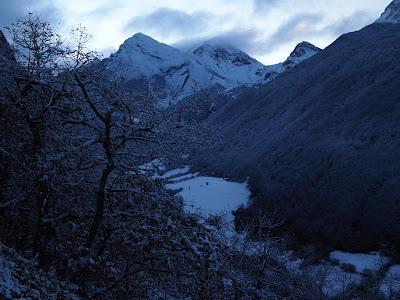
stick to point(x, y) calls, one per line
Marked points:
point(211, 195)
point(155, 166)
point(332, 279)
point(361, 262)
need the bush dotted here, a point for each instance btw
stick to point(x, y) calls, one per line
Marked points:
point(348, 268)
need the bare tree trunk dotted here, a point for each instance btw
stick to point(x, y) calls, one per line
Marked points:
point(101, 192)
point(40, 191)
point(100, 199)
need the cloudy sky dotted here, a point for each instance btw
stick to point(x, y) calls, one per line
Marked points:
point(266, 29)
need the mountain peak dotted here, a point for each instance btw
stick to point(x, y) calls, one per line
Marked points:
point(218, 43)
point(215, 63)
point(144, 45)
point(141, 35)
point(214, 48)
point(302, 51)
point(391, 13)
point(221, 51)
point(142, 55)
point(140, 39)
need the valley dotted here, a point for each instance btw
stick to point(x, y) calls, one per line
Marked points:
point(192, 170)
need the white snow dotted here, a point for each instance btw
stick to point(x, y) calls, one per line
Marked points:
point(227, 65)
point(154, 165)
point(141, 55)
point(373, 262)
point(208, 195)
point(337, 281)
point(21, 278)
point(211, 65)
point(332, 279)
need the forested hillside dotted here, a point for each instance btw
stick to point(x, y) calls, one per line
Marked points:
point(321, 142)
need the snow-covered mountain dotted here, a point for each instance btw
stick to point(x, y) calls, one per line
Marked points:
point(226, 65)
point(175, 74)
point(391, 14)
point(141, 55)
point(301, 52)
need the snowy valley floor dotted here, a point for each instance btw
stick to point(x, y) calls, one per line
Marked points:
point(341, 270)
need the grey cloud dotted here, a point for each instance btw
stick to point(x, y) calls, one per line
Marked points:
point(304, 26)
point(296, 29)
point(188, 44)
point(356, 21)
point(105, 9)
point(261, 6)
point(10, 10)
point(299, 27)
point(170, 23)
point(265, 6)
point(244, 40)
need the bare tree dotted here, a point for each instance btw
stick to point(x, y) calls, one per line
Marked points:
point(34, 93)
point(37, 46)
point(130, 130)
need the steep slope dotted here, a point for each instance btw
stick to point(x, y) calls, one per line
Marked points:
point(321, 142)
point(174, 75)
point(7, 66)
point(391, 14)
point(6, 52)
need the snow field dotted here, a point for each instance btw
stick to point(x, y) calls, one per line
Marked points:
point(208, 195)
